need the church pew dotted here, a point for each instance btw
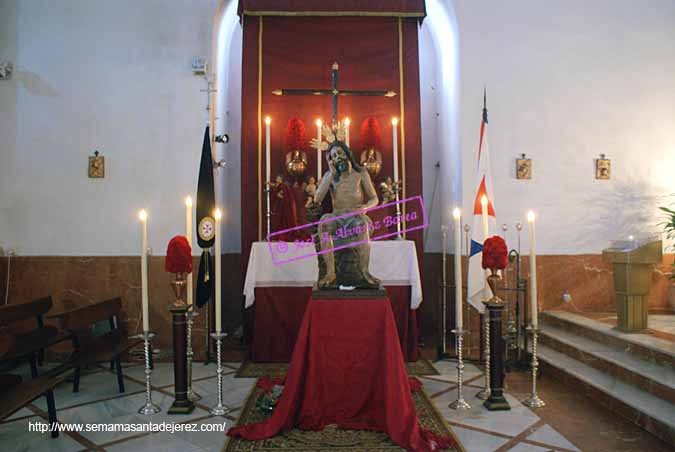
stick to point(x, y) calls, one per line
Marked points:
point(15, 394)
point(30, 344)
point(91, 348)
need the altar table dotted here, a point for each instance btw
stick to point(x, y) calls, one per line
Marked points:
point(277, 296)
point(347, 369)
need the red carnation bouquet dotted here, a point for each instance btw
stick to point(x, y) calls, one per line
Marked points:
point(495, 253)
point(296, 136)
point(370, 134)
point(178, 256)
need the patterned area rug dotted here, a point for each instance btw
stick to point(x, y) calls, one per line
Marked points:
point(331, 438)
point(249, 369)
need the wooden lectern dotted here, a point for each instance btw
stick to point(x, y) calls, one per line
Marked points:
point(633, 267)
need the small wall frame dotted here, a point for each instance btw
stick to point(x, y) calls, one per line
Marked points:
point(96, 166)
point(603, 168)
point(523, 168)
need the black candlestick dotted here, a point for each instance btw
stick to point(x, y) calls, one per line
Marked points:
point(496, 401)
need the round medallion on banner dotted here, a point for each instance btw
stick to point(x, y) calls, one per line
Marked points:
point(206, 228)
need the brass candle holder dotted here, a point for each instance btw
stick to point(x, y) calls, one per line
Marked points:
point(179, 286)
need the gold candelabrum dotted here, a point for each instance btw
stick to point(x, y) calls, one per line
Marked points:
point(179, 286)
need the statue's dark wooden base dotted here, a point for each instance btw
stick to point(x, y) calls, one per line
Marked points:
point(496, 401)
point(181, 404)
point(347, 294)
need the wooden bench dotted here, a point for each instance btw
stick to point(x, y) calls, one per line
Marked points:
point(103, 348)
point(30, 344)
point(15, 394)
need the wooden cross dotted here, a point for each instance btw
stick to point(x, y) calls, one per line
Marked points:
point(334, 91)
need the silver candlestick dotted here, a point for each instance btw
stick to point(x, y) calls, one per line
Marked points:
point(484, 393)
point(220, 409)
point(190, 316)
point(460, 403)
point(268, 214)
point(534, 401)
point(397, 189)
point(149, 407)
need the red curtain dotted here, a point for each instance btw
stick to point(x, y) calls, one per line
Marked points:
point(298, 52)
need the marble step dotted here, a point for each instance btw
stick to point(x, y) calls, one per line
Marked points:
point(656, 379)
point(643, 346)
point(652, 413)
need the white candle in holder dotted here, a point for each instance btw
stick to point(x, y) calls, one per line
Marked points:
point(394, 131)
point(188, 235)
point(219, 327)
point(268, 121)
point(143, 216)
point(533, 269)
point(457, 216)
point(319, 123)
point(347, 123)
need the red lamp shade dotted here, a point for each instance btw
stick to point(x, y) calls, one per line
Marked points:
point(370, 134)
point(178, 256)
point(495, 253)
point(296, 136)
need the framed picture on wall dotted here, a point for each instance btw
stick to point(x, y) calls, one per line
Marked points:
point(523, 168)
point(603, 168)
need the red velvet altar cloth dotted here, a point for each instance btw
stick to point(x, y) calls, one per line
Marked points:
point(347, 369)
point(278, 313)
point(395, 8)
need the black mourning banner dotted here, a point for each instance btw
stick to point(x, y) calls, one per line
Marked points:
point(206, 230)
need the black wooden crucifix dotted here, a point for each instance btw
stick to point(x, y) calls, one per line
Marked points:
point(334, 91)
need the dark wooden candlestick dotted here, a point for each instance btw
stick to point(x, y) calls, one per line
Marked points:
point(181, 405)
point(496, 401)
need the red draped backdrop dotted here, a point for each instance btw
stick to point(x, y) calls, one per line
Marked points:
point(297, 50)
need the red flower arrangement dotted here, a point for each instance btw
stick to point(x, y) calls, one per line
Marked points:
point(178, 256)
point(370, 134)
point(495, 253)
point(296, 136)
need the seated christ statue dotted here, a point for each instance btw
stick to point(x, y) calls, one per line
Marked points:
point(351, 191)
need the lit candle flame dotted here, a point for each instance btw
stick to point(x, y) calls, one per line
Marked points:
point(348, 121)
point(143, 215)
point(530, 216)
point(394, 121)
point(188, 201)
point(217, 214)
point(319, 122)
point(456, 213)
point(268, 120)
point(484, 201)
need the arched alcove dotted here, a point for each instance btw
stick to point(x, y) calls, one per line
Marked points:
point(439, 79)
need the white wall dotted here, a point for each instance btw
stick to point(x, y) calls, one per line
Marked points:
point(107, 75)
point(568, 80)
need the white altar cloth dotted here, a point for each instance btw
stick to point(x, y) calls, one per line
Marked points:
point(392, 261)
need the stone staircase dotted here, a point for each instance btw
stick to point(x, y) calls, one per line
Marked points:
point(633, 375)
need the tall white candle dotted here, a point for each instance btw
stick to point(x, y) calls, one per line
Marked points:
point(219, 327)
point(486, 233)
point(188, 234)
point(394, 131)
point(143, 216)
point(347, 123)
point(533, 269)
point(268, 120)
point(318, 151)
point(484, 214)
point(457, 215)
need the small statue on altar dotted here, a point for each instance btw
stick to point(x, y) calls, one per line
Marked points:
point(351, 191)
point(296, 142)
point(310, 190)
point(284, 211)
point(371, 157)
point(387, 190)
